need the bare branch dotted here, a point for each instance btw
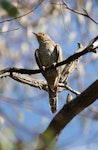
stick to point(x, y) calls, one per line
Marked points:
point(9, 30)
point(41, 84)
point(85, 14)
point(8, 71)
point(82, 51)
point(72, 90)
point(66, 114)
point(77, 12)
point(71, 63)
point(67, 70)
point(62, 86)
point(37, 83)
point(17, 17)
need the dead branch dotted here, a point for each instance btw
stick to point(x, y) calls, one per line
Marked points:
point(66, 114)
point(71, 63)
point(82, 51)
point(85, 14)
point(91, 47)
point(37, 83)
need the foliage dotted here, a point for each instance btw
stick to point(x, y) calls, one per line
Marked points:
point(9, 8)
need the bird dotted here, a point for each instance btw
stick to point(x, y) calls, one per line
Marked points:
point(49, 53)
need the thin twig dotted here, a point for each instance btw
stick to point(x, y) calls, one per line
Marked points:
point(89, 48)
point(10, 30)
point(23, 14)
point(72, 90)
point(68, 88)
point(77, 12)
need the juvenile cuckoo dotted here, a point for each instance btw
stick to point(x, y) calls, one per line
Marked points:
point(49, 53)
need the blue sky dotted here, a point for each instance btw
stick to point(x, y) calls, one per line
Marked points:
point(32, 111)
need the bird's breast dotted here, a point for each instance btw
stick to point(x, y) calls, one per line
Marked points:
point(47, 55)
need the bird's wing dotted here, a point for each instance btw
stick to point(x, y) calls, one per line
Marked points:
point(59, 58)
point(58, 51)
point(38, 59)
point(41, 67)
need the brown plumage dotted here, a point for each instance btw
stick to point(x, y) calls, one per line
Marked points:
point(48, 54)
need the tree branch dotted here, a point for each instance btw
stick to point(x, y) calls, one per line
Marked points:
point(37, 83)
point(85, 14)
point(8, 71)
point(81, 51)
point(17, 17)
point(71, 63)
point(9, 30)
point(66, 114)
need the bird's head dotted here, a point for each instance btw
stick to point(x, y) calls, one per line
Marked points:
point(42, 37)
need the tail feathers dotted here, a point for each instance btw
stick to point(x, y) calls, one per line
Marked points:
point(53, 104)
point(53, 100)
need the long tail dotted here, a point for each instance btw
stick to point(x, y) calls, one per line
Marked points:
point(53, 100)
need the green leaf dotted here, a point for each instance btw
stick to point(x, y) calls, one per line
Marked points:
point(9, 8)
